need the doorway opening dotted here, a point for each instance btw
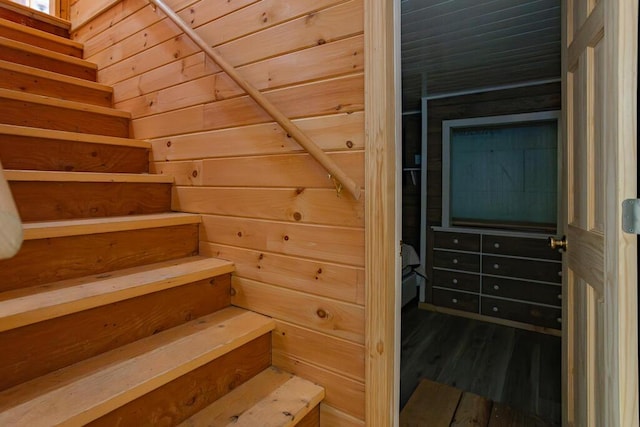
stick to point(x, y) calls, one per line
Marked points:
point(492, 333)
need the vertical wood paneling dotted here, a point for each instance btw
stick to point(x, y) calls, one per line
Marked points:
point(298, 246)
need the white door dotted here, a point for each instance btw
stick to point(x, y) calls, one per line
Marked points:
point(600, 322)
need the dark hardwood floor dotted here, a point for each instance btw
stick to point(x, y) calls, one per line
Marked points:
point(507, 365)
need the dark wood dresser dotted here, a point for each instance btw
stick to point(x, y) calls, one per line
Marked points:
point(497, 276)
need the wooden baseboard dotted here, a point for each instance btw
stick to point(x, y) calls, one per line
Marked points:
point(476, 316)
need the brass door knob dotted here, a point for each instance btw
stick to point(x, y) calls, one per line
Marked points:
point(558, 243)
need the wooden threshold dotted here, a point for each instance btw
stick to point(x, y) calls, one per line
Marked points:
point(38, 51)
point(25, 306)
point(77, 227)
point(97, 386)
point(59, 176)
point(273, 398)
point(60, 103)
point(499, 321)
point(26, 131)
point(439, 405)
point(35, 14)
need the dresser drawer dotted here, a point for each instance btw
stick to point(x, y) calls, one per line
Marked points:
point(522, 312)
point(457, 300)
point(456, 260)
point(459, 241)
point(518, 289)
point(519, 246)
point(522, 268)
point(456, 280)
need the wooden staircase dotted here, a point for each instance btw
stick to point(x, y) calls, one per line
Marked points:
point(108, 315)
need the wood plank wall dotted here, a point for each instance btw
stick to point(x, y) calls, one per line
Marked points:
point(269, 207)
point(510, 101)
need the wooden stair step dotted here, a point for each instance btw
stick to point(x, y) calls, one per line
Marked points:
point(64, 176)
point(43, 39)
point(82, 247)
point(90, 389)
point(273, 398)
point(30, 305)
point(33, 56)
point(60, 176)
point(55, 195)
point(34, 18)
point(30, 110)
point(76, 227)
point(24, 78)
point(30, 148)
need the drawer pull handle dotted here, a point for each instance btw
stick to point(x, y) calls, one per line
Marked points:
point(455, 281)
point(496, 287)
point(495, 309)
point(559, 319)
point(560, 273)
point(454, 300)
point(455, 260)
point(496, 266)
point(559, 296)
point(496, 245)
point(455, 241)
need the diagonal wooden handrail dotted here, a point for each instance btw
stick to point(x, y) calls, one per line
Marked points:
point(321, 157)
point(10, 223)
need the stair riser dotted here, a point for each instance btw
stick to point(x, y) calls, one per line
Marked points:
point(24, 82)
point(312, 419)
point(43, 347)
point(32, 153)
point(45, 63)
point(43, 201)
point(44, 43)
point(33, 23)
point(49, 260)
point(183, 397)
point(22, 113)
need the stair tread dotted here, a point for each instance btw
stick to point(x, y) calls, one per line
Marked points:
point(62, 176)
point(39, 72)
point(36, 14)
point(39, 33)
point(38, 51)
point(71, 136)
point(83, 392)
point(273, 398)
point(76, 227)
point(61, 103)
point(22, 307)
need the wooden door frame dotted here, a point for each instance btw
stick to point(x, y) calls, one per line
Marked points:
point(382, 218)
point(620, 187)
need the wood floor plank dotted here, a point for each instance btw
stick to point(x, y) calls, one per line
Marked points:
point(430, 341)
point(432, 405)
point(522, 379)
point(459, 369)
point(493, 363)
point(505, 416)
point(473, 411)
